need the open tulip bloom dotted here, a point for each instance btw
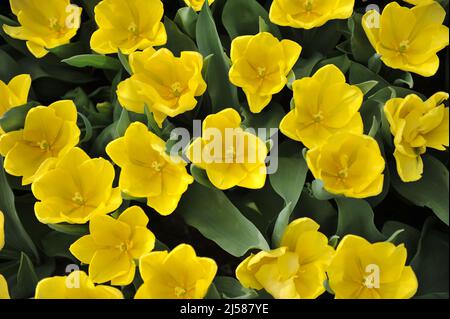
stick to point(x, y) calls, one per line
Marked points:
point(224, 149)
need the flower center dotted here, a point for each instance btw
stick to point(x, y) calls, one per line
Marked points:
point(309, 5)
point(156, 166)
point(44, 145)
point(133, 28)
point(176, 89)
point(318, 117)
point(54, 24)
point(124, 246)
point(261, 71)
point(404, 46)
point(180, 292)
point(343, 173)
point(78, 199)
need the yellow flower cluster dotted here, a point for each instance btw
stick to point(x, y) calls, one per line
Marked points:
point(304, 261)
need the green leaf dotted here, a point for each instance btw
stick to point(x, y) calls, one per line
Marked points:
point(186, 19)
point(288, 182)
point(230, 288)
point(87, 128)
point(74, 230)
point(94, 60)
point(125, 63)
point(16, 237)
point(410, 236)
point(122, 124)
point(360, 74)
point(361, 47)
point(212, 213)
point(305, 66)
point(367, 86)
point(356, 218)
point(247, 22)
point(319, 192)
point(26, 278)
point(342, 62)
point(222, 93)
point(56, 244)
point(177, 41)
point(14, 119)
point(269, 119)
point(431, 263)
point(201, 177)
point(68, 50)
point(375, 63)
point(9, 68)
point(430, 191)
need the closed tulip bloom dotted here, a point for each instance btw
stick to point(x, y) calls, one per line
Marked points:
point(44, 24)
point(324, 105)
point(14, 94)
point(77, 285)
point(128, 26)
point(230, 156)
point(113, 246)
point(4, 293)
point(308, 14)
point(47, 133)
point(408, 38)
point(417, 125)
point(348, 164)
point(296, 270)
point(197, 4)
point(260, 65)
point(178, 274)
point(147, 171)
point(361, 270)
point(166, 84)
point(77, 189)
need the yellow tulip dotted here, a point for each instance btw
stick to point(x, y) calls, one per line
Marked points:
point(147, 171)
point(113, 245)
point(417, 125)
point(2, 230)
point(128, 26)
point(44, 24)
point(348, 164)
point(166, 84)
point(76, 189)
point(14, 94)
point(408, 38)
point(178, 274)
point(230, 156)
point(197, 4)
point(77, 285)
point(361, 270)
point(260, 65)
point(308, 14)
point(48, 132)
point(416, 2)
point(296, 270)
point(324, 105)
point(4, 293)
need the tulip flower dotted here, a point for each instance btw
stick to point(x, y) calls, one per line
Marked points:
point(308, 14)
point(348, 164)
point(166, 84)
point(178, 274)
point(113, 245)
point(77, 285)
point(324, 105)
point(147, 171)
point(408, 38)
point(76, 189)
point(44, 25)
point(230, 156)
point(128, 26)
point(14, 94)
point(48, 133)
point(296, 270)
point(361, 270)
point(417, 125)
point(260, 66)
